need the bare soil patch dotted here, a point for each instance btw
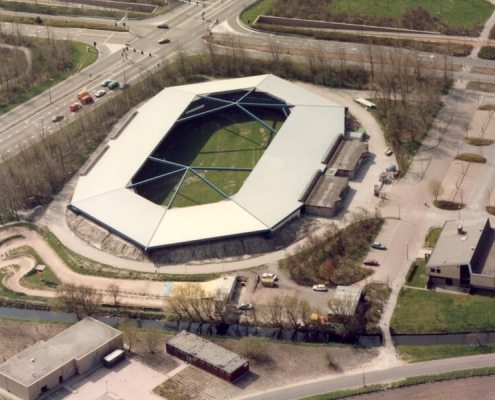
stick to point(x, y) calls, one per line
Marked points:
point(481, 86)
point(482, 70)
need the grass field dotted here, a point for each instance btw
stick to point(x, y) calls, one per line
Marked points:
point(438, 352)
point(422, 311)
point(433, 236)
point(461, 13)
point(228, 139)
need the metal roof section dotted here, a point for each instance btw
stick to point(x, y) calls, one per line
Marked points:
point(208, 352)
point(348, 155)
point(207, 221)
point(457, 242)
point(268, 195)
point(327, 191)
point(272, 190)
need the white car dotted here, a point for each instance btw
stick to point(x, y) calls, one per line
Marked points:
point(320, 288)
point(100, 93)
point(245, 306)
point(270, 275)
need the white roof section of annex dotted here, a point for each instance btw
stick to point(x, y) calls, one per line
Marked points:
point(268, 196)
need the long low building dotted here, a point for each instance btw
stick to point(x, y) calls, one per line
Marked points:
point(208, 356)
point(46, 364)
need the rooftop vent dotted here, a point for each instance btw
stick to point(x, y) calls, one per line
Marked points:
point(32, 359)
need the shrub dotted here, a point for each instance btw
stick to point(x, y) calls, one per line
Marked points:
point(252, 348)
point(470, 157)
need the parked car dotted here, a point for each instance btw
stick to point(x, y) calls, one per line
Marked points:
point(113, 85)
point(379, 246)
point(57, 118)
point(245, 306)
point(370, 262)
point(206, 35)
point(162, 26)
point(269, 275)
point(164, 40)
point(320, 288)
point(74, 107)
point(100, 93)
point(124, 85)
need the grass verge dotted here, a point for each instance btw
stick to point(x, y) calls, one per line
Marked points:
point(487, 53)
point(413, 354)
point(416, 276)
point(433, 235)
point(446, 313)
point(479, 141)
point(471, 157)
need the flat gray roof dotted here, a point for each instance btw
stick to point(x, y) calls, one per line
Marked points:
point(267, 197)
point(350, 294)
point(453, 248)
point(42, 358)
point(348, 155)
point(207, 351)
point(327, 191)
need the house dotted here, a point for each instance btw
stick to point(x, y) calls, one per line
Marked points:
point(208, 356)
point(464, 255)
point(47, 364)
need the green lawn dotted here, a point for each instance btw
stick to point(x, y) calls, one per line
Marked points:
point(422, 311)
point(428, 353)
point(433, 236)
point(260, 8)
point(47, 281)
point(461, 13)
point(416, 276)
point(225, 139)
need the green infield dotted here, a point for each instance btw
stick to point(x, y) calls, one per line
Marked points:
point(226, 141)
point(461, 13)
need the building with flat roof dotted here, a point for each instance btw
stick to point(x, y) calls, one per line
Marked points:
point(327, 197)
point(464, 255)
point(47, 364)
point(348, 157)
point(346, 299)
point(108, 193)
point(208, 356)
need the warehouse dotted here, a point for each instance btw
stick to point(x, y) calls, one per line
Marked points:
point(208, 356)
point(47, 364)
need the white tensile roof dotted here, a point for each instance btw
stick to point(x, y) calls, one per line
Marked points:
point(268, 196)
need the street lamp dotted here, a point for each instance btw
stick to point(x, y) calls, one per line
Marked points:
point(49, 89)
point(399, 209)
point(126, 21)
point(364, 381)
point(106, 386)
point(407, 251)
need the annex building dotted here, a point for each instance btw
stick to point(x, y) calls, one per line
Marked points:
point(47, 364)
point(108, 190)
point(464, 255)
point(208, 356)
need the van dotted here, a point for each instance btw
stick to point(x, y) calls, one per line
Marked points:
point(82, 94)
point(74, 107)
point(86, 99)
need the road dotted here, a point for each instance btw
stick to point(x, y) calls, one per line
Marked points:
point(342, 382)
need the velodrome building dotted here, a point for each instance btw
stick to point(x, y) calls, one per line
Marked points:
point(107, 191)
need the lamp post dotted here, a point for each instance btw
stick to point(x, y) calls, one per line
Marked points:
point(407, 251)
point(106, 386)
point(126, 21)
point(364, 381)
point(49, 88)
point(399, 209)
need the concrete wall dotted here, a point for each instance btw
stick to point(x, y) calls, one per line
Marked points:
point(453, 272)
point(483, 281)
point(94, 358)
point(15, 388)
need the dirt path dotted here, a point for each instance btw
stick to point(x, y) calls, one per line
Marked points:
point(144, 293)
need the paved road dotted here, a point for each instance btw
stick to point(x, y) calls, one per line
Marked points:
point(374, 377)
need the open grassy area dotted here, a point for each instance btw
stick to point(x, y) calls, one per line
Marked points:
point(433, 235)
point(226, 139)
point(414, 354)
point(422, 312)
point(462, 13)
point(416, 276)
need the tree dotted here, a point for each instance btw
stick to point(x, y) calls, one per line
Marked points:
point(436, 189)
point(78, 299)
point(152, 338)
point(114, 290)
point(129, 330)
point(251, 348)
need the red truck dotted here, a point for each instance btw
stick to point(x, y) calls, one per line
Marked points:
point(74, 107)
point(86, 99)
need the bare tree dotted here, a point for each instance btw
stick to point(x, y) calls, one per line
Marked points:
point(78, 299)
point(152, 338)
point(129, 330)
point(114, 290)
point(435, 187)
